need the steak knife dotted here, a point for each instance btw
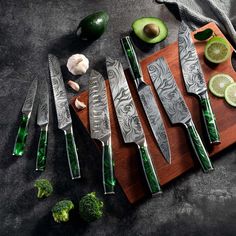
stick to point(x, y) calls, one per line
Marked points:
point(24, 123)
point(42, 121)
point(194, 80)
point(147, 99)
point(100, 126)
point(63, 115)
point(128, 120)
point(176, 108)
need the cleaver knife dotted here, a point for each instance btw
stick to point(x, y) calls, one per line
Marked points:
point(147, 99)
point(195, 82)
point(176, 108)
point(100, 127)
point(128, 120)
point(63, 114)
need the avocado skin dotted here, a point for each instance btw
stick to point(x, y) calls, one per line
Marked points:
point(139, 24)
point(93, 26)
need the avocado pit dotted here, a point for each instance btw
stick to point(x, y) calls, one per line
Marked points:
point(151, 30)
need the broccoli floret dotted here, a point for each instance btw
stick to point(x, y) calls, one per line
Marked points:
point(90, 207)
point(45, 188)
point(60, 211)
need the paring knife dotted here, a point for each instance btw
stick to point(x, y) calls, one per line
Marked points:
point(147, 99)
point(194, 80)
point(42, 121)
point(128, 119)
point(24, 123)
point(100, 126)
point(63, 115)
point(176, 108)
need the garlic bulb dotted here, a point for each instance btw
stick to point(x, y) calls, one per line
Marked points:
point(78, 64)
point(74, 85)
point(79, 105)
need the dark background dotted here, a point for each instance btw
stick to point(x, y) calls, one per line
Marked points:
point(194, 204)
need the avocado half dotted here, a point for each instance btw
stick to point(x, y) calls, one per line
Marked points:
point(150, 29)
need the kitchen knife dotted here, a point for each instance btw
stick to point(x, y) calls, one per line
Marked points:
point(24, 123)
point(176, 108)
point(42, 121)
point(100, 126)
point(147, 99)
point(194, 80)
point(128, 120)
point(63, 114)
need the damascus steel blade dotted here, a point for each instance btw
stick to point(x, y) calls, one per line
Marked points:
point(168, 92)
point(29, 100)
point(98, 108)
point(127, 115)
point(43, 109)
point(59, 92)
point(191, 68)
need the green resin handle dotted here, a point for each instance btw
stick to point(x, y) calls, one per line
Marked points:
point(198, 147)
point(107, 162)
point(149, 170)
point(209, 119)
point(72, 154)
point(21, 136)
point(42, 149)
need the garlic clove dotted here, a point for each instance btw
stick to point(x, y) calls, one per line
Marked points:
point(75, 86)
point(79, 105)
point(78, 64)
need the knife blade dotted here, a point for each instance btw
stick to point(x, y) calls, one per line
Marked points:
point(176, 108)
point(63, 115)
point(128, 120)
point(100, 127)
point(147, 99)
point(26, 110)
point(194, 80)
point(42, 121)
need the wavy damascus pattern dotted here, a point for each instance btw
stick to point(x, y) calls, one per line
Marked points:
point(60, 97)
point(125, 109)
point(29, 100)
point(98, 108)
point(191, 68)
point(168, 91)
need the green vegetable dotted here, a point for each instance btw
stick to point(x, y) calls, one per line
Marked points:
point(93, 26)
point(150, 29)
point(60, 211)
point(45, 188)
point(90, 207)
point(204, 35)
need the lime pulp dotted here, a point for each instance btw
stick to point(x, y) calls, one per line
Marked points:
point(230, 94)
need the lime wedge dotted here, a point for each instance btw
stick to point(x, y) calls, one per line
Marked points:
point(230, 94)
point(217, 50)
point(218, 83)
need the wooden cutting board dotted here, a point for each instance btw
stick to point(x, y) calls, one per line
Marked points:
point(128, 170)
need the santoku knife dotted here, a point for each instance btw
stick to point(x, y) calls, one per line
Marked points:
point(147, 99)
point(128, 120)
point(176, 108)
point(63, 114)
point(24, 123)
point(194, 80)
point(42, 121)
point(100, 126)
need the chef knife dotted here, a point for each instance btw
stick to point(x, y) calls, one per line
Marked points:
point(100, 126)
point(176, 108)
point(42, 121)
point(194, 80)
point(128, 120)
point(63, 114)
point(24, 123)
point(147, 99)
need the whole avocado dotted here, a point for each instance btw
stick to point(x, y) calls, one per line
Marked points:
point(93, 26)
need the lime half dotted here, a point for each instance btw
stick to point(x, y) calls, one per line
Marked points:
point(230, 94)
point(218, 83)
point(217, 50)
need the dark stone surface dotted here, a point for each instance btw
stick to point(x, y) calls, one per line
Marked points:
point(194, 204)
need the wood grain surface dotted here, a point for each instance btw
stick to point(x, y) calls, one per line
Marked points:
point(128, 169)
